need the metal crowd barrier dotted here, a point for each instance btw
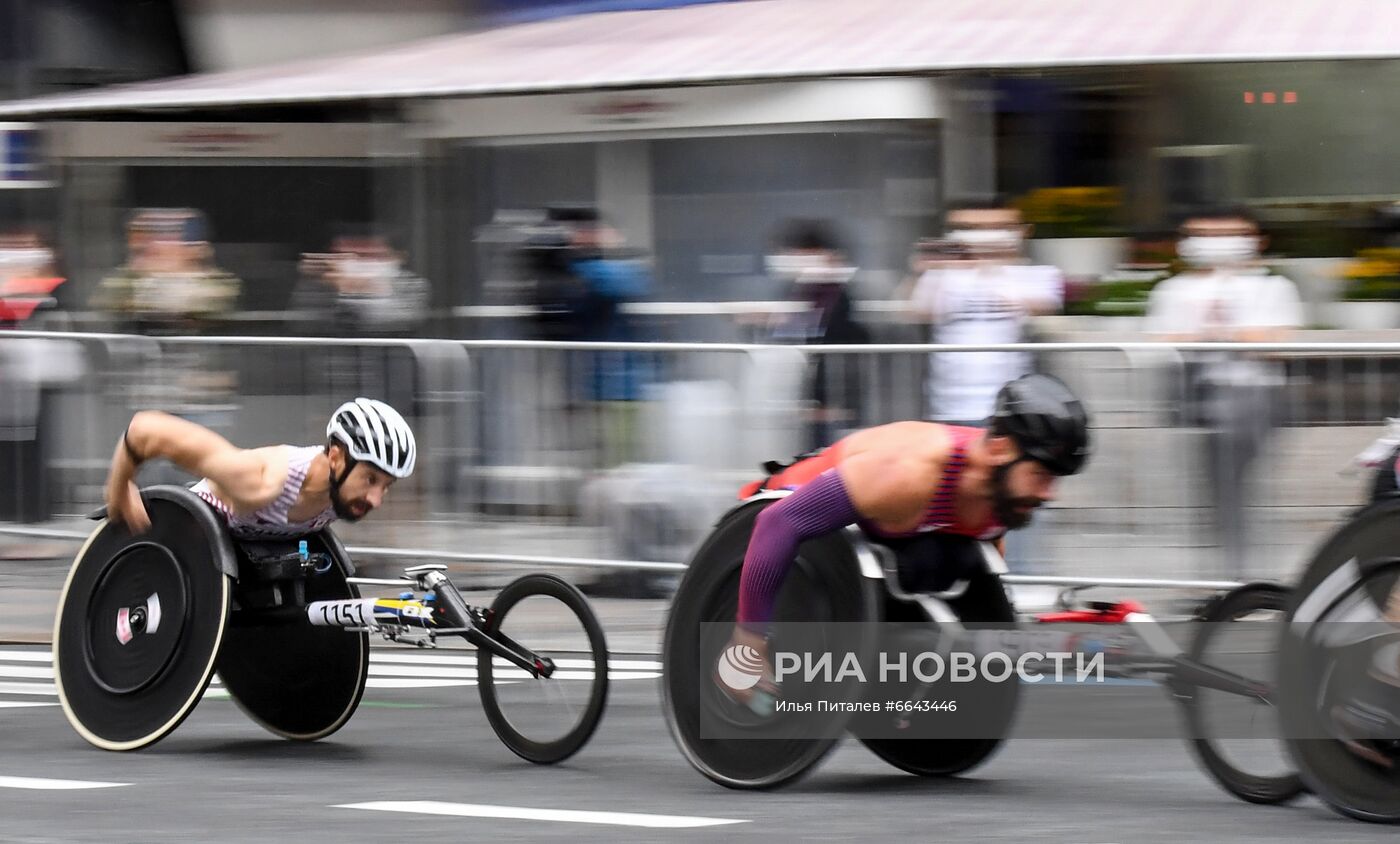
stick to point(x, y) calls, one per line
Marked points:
point(621, 455)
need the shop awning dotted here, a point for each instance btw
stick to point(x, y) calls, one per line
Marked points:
point(781, 39)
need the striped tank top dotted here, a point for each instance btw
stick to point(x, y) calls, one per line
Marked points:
point(940, 515)
point(270, 521)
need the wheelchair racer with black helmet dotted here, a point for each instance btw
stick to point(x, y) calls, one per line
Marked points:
point(929, 491)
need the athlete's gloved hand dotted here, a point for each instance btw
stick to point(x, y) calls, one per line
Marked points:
point(124, 505)
point(759, 694)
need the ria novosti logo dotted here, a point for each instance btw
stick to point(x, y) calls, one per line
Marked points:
point(740, 667)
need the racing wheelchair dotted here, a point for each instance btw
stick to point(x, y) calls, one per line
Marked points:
point(844, 582)
point(1325, 653)
point(145, 621)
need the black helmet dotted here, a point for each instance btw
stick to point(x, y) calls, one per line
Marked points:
point(1046, 420)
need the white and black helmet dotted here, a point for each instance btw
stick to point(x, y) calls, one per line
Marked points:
point(375, 433)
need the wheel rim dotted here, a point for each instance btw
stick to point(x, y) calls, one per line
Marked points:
point(781, 754)
point(136, 618)
point(545, 711)
point(1244, 733)
point(1348, 783)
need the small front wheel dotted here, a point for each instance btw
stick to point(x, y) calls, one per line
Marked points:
point(1238, 739)
point(545, 719)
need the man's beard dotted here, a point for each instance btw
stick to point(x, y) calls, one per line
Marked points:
point(1004, 506)
point(340, 505)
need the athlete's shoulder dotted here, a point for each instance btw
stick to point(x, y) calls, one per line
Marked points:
point(913, 442)
point(275, 462)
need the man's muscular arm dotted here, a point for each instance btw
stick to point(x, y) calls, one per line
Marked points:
point(245, 478)
point(884, 478)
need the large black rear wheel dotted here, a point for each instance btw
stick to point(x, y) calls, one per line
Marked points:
point(140, 623)
point(824, 591)
point(1335, 610)
point(296, 680)
point(992, 705)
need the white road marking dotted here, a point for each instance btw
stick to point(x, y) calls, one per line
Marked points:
point(389, 669)
point(394, 655)
point(413, 683)
point(26, 671)
point(420, 671)
point(55, 785)
point(478, 810)
point(28, 689)
point(27, 656)
point(418, 658)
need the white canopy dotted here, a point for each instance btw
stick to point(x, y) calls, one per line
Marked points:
point(781, 39)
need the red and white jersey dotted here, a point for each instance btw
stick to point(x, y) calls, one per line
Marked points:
point(270, 521)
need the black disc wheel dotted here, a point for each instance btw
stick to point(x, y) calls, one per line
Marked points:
point(1238, 738)
point(823, 591)
point(992, 706)
point(544, 719)
point(299, 681)
point(139, 626)
point(1334, 617)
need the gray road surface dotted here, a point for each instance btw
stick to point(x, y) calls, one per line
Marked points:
point(418, 750)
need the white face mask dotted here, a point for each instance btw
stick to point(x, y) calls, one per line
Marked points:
point(987, 240)
point(370, 268)
point(1218, 251)
point(25, 257)
point(807, 269)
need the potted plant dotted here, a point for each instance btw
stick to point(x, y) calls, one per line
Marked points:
point(1370, 296)
point(1077, 229)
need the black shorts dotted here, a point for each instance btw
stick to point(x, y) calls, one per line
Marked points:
point(932, 562)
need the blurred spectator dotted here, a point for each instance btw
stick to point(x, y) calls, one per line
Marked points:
point(170, 285)
point(1227, 296)
point(557, 294)
point(169, 282)
point(808, 259)
point(29, 370)
point(28, 277)
point(977, 289)
point(581, 297)
point(361, 288)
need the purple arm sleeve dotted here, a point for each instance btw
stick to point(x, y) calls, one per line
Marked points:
point(816, 508)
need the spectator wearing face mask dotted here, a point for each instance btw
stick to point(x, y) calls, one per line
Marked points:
point(1227, 296)
point(27, 277)
point(361, 288)
point(986, 296)
point(169, 283)
point(809, 261)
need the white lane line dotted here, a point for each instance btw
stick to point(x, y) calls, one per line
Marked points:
point(420, 658)
point(407, 683)
point(12, 704)
point(27, 656)
point(420, 671)
point(392, 657)
point(478, 810)
point(216, 691)
point(414, 658)
point(511, 672)
point(28, 689)
point(26, 671)
point(38, 784)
